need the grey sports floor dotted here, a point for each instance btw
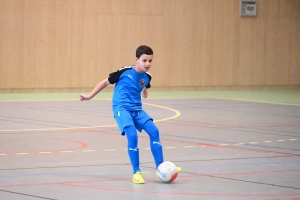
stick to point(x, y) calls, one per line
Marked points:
point(72, 150)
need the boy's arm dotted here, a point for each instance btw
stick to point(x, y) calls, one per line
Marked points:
point(145, 93)
point(100, 86)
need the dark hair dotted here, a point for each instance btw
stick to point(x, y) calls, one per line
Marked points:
point(143, 50)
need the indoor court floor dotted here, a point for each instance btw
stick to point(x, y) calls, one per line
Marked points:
point(227, 148)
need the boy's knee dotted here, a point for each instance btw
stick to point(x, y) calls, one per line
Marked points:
point(151, 130)
point(154, 128)
point(131, 135)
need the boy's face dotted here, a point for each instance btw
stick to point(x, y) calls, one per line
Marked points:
point(143, 64)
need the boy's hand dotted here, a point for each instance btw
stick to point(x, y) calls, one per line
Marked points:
point(83, 97)
point(145, 93)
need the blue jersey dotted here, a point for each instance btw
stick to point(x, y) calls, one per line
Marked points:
point(128, 87)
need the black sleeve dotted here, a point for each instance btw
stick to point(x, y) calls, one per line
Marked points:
point(114, 77)
point(150, 77)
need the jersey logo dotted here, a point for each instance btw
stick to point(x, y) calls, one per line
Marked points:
point(142, 82)
point(130, 76)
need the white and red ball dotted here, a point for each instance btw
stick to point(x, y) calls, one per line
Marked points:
point(167, 171)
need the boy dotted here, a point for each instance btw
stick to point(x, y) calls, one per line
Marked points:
point(130, 82)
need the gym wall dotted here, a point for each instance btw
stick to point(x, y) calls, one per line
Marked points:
point(71, 45)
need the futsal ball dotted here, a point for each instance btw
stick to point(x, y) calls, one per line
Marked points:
point(167, 171)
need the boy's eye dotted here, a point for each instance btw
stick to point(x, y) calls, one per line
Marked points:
point(146, 61)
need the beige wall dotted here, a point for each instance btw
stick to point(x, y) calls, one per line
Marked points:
point(71, 44)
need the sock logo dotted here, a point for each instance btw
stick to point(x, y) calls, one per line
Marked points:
point(135, 149)
point(157, 143)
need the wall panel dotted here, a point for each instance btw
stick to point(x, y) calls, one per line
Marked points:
point(73, 44)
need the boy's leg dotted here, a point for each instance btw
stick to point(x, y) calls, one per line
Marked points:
point(133, 150)
point(127, 127)
point(155, 144)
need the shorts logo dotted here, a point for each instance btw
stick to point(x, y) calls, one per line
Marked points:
point(119, 113)
point(142, 82)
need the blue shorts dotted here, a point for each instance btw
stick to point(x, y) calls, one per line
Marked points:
point(136, 118)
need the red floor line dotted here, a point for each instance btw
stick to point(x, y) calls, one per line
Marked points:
point(232, 148)
point(176, 193)
point(82, 145)
point(202, 144)
point(128, 179)
point(247, 173)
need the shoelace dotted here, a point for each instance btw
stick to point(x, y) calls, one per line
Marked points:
point(144, 172)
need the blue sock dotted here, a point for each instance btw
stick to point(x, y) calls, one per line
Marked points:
point(155, 144)
point(133, 150)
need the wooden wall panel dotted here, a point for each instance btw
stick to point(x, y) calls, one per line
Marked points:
point(73, 44)
point(180, 38)
point(294, 52)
